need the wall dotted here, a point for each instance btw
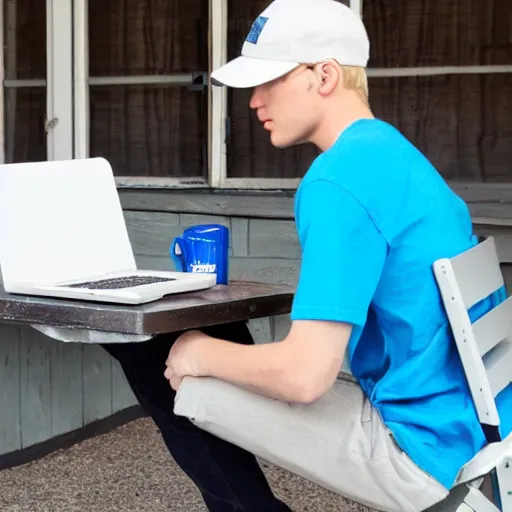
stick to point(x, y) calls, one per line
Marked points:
point(49, 388)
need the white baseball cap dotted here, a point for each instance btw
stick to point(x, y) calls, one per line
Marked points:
point(289, 33)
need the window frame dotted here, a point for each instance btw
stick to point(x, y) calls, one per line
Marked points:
point(67, 84)
point(82, 83)
point(220, 118)
point(59, 89)
point(58, 123)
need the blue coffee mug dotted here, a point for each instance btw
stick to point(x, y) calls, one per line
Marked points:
point(202, 248)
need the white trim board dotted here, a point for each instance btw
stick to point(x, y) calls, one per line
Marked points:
point(173, 79)
point(150, 182)
point(439, 70)
point(262, 183)
point(59, 122)
point(81, 73)
point(30, 82)
point(218, 95)
point(357, 6)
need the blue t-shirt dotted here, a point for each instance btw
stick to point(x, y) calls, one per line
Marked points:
point(372, 216)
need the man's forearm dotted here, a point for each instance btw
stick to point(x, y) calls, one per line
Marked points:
point(266, 369)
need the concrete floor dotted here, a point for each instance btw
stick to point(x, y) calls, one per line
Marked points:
point(129, 469)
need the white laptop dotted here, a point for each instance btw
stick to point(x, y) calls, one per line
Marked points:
point(63, 234)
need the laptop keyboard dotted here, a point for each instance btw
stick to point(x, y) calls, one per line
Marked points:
point(120, 282)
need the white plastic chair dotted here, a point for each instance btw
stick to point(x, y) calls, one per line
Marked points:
point(485, 348)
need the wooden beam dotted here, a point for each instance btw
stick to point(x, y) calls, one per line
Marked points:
point(488, 204)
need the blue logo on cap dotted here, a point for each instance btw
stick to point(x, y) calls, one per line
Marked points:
point(256, 29)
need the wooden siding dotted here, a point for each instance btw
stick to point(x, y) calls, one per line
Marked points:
point(48, 388)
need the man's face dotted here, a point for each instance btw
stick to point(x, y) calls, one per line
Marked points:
point(288, 107)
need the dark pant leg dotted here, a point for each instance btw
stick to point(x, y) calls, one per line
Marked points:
point(228, 477)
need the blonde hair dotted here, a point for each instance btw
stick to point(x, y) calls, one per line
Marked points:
point(355, 78)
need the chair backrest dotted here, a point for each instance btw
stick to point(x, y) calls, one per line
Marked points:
point(485, 347)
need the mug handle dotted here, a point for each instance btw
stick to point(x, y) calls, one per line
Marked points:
point(178, 254)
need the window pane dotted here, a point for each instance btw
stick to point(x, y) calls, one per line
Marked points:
point(249, 151)
point(25, 138)
point(149, 130)
point(461, 122)
point(24, 39)
point(410, 33)
point(161, 130)
point(147, 37)
point(24, 59)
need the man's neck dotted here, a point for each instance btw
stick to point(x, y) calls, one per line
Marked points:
point(339, 116)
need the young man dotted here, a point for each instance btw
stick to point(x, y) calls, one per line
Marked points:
point(372, 216)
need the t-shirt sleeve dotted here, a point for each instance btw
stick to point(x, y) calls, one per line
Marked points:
point(343, 254)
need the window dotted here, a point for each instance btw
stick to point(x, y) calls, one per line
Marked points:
point(144, 116)
point(249, 155)
point(441, 72)
point(128, 80)
point(247, 159)
point(24, 85)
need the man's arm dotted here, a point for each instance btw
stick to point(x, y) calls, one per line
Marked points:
point(301, 368)
point(342, 260)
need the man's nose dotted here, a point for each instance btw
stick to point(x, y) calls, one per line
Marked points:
point(256, 100)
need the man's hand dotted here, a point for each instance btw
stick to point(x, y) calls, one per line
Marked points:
point(301, 368)
point(185, 357)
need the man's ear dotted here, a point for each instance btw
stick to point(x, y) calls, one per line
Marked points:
point(329, 76)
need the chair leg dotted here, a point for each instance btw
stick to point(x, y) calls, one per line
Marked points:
point(477, 502)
